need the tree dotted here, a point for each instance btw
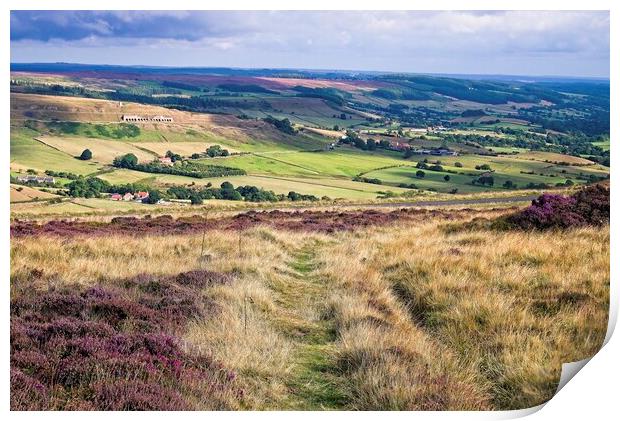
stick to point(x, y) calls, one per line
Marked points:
point(195, 199)
point(216, 150)
point(126, 161)
point(371, 145)
point(483, 180)
point(446, 177)
point(458, 165)
point(231, 194)
point(154, 197)
point(174, 157)
point(509, 184)
point(86, 155)
point(359, 143)
point(385, 144)
point(420, 174)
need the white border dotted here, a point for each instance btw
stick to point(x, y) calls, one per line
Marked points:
point(593, 392)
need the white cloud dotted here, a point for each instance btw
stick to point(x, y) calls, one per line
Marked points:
point(536, 42)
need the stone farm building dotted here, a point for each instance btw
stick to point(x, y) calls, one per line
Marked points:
point(165, 160)
point(35, 179)
point(162, 118)
point(139, 118)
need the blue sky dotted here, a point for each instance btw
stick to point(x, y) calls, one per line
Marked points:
point(467, 42)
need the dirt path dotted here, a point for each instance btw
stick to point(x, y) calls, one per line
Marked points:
point(313, 383)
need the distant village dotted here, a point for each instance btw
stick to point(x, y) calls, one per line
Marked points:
point(137, 197)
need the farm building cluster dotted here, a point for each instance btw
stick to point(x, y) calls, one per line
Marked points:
point(138, 118)
point(165, 160)
point(435, 152)
point(138, 196)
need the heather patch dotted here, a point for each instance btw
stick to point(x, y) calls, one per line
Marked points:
point(115, 348)
point(589, 206)
point(305, 221)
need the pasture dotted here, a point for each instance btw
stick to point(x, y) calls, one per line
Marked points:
point(104, 151)
point(27, 153)
point(26, 194)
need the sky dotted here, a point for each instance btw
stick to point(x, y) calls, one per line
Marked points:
point(556, 43)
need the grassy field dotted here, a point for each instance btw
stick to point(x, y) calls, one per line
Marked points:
point(414, 316)
point(104, 151)
point(182, 148)
point(603, 145)
point(432, 179)
point(75, 207)
point(325, 173)
point(28, 153)
point(26, 194)
point(263, 164)
point(343, 162)
point(272, 160)
point(555, 158)
point(333, 188)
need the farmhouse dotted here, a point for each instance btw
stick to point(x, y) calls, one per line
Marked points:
point(116, 196)
point(165, 160)
point(444, 152)
point(35, 179)
point(399, 146)
point(141, 195)
point(417, 130)
point(127, 196)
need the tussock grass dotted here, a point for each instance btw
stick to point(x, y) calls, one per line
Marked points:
point(408, 316)
point(514, 306)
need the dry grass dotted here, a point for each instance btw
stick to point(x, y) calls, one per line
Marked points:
point(419, 316)
point(510, 307)
point(26, 194)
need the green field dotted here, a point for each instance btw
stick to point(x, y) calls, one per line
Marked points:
point(283, 162)
point(605, 145)
point(28, 153)
point(342, 162)
point(333, 188)
point(260, 164)
point(282, 169)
